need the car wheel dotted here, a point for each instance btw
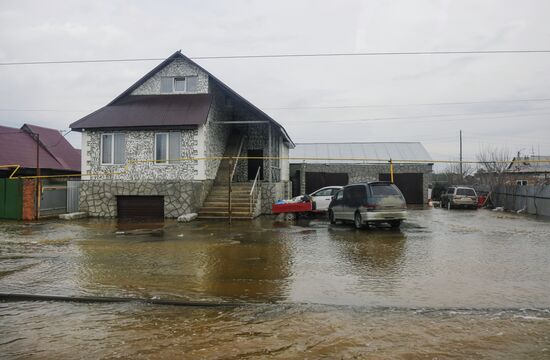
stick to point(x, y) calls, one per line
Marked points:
point(358, 220)
point(331, 217)
point(395, 224)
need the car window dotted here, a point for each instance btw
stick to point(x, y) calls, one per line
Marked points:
point(466, 192)
point(325, 192)
point(339, 195)
point(335, 190)
point(355, 195)
point(383, 189)
point(451, 191)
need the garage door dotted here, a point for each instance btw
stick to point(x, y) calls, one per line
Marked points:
point(409, 184)
point(140, 207)
point(317, 180)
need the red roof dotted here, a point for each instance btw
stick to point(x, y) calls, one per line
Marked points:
point(18, 147)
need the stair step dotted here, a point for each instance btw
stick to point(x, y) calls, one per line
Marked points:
point(224, 213)
point(224, 203)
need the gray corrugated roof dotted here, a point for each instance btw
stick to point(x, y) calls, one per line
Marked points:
point(530, 164)
point(357, 153)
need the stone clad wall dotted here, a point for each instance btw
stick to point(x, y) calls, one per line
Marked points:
point(98, 197)
point(215, 135)
point(178, 67)
point(139, 158)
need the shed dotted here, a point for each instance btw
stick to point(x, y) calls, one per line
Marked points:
point(315, 165)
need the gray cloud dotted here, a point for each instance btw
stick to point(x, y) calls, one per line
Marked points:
point(37, 30)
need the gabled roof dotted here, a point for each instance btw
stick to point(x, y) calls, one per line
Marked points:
point(179, 55)
point(18, 147)
point(138, 110)
point(356, 152)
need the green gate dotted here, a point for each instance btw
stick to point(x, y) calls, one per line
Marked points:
point(11, 199)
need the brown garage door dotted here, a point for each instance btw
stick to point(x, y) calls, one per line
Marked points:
point(409, 184)
point(317, 180)
point(140, 207)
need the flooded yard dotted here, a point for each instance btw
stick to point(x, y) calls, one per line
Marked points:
point(449, 284)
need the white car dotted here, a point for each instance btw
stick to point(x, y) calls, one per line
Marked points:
point(323, 197)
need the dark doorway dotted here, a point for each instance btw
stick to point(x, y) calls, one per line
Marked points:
point(296, 183)
point(254, 164)
point(409, 184)
point(317, 180)
point(140, 207)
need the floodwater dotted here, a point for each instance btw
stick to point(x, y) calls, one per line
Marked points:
point(449, 284)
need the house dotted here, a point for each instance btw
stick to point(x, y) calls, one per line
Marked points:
point(56, 156)
point(163, 147)
point(22, 152)
point(315, 165)
point(528, 170)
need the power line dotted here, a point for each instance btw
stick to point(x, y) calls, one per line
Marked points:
point(322, 106)
point(404, 105)
point(288, 55)
point(436, 116)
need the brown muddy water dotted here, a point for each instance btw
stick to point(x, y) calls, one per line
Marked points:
point(449, 284)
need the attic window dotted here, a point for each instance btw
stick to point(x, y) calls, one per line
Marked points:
point(187, 84)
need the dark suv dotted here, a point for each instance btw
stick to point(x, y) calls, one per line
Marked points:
point(373, 202)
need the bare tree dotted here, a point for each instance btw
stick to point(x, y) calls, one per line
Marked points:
point(493, 162)
point(453, 172)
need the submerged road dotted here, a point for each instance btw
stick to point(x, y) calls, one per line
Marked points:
point(449, 283)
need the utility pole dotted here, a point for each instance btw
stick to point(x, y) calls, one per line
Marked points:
point(461, 173)
point(37, 138)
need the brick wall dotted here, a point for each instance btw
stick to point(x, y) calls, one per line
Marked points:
point(29, 199)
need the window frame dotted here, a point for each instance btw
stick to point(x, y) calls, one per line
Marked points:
point(185, 79)
point(112, 135)
point(167, 161)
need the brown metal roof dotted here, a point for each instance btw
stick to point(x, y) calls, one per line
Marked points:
point(179, 55)
point(149, 111)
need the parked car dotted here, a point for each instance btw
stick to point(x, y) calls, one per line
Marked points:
point(369, 203)
point(459, 196)
point(323, 197)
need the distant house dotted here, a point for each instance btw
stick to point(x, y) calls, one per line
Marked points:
point(156, 149)
point(24, 150)
point(528, 170)
point(359, 162)
point(56, 156)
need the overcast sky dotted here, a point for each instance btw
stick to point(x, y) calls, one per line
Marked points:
point(384, 98)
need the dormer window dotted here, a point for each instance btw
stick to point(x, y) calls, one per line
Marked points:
point(182, 84)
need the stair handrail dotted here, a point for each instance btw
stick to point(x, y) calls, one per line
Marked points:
point(252, 190)
point(237, 157)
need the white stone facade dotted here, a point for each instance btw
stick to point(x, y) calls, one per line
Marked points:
point(140, 155)
point(177, 68)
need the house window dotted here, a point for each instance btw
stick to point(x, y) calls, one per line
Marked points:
point(113, 149)
point(167, 147)
point(521, 182)
point(187, 84)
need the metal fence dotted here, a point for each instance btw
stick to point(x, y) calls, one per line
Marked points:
point(531, 199)
point(73, 196)
point(53, 200)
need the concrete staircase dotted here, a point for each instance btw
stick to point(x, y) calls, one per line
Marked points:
point(217, 202)
point(216, 205)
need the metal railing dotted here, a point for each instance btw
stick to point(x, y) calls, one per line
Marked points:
point(237, 156)
point(254, 191)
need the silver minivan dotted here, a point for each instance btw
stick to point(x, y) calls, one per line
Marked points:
point(369, 203)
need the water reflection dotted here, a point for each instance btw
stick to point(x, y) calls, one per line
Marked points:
point(212, 260)
point(376, 252)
